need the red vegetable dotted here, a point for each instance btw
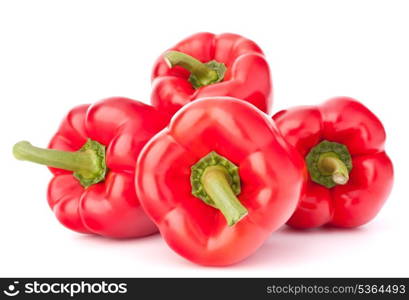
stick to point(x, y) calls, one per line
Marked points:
point(218, 180)
point(93, 188)
point(350, 174)
point(204, 65)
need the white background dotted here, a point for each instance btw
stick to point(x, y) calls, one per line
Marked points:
point(57, 54)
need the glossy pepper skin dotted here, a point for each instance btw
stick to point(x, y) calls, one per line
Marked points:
point(246, 74)
point(360, 194)
point(206, 131)
point(110, 207)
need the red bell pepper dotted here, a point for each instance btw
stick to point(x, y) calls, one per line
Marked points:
point(94, 154)
point(218, 180)
point(350, 175)
point(206, 64)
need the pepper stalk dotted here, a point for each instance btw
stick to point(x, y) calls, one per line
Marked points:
point(329, 164)
point(201, 74)
point(216, 181)
point(87, 164)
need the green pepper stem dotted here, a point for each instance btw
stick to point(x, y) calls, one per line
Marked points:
point(194, 66)
point(331, 165)
point(217, 186)
point(88, 163)
point(71, 161)
point(201, 74)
